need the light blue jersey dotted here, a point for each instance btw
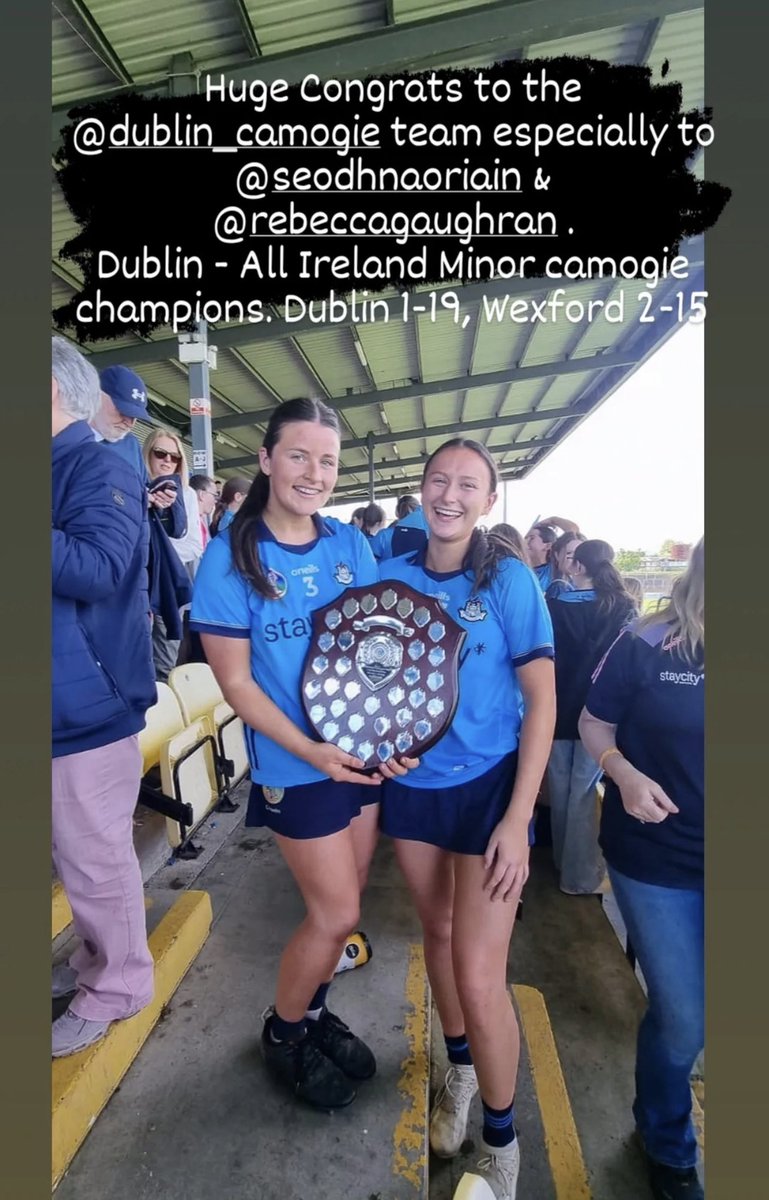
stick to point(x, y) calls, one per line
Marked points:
point(306, 577)
point(507, 625)
point(544, 574)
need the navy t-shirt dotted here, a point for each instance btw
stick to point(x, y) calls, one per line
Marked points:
point(656, 699)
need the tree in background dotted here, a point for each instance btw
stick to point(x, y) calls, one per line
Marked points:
point(627, 561)
point(666, 549)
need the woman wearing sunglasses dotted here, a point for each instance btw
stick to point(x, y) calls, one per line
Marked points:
point(164, 458)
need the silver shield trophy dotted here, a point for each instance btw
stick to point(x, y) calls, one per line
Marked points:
point(381, 675)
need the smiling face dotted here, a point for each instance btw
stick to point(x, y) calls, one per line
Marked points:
point(456, 493)
point(537, 548)
point(302, 469)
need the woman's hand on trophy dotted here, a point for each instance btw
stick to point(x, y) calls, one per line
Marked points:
point(395, 768)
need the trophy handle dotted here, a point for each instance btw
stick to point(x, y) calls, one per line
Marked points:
point(391, 623)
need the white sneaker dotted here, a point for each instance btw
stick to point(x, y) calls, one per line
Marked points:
point(495, 1177)
point(448, 1120)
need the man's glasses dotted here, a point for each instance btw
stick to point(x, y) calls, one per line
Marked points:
point(164, 454)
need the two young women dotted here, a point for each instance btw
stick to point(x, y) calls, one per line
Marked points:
point(460, 817)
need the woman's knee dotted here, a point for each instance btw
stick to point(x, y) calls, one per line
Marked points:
point(338, 922)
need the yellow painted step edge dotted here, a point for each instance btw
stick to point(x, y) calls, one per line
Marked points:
point(61, 913)
point(561, 1140)
point(83, 1083)
point(409, 1160)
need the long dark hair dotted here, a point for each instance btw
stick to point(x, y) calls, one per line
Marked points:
point(487, 548)
point(245, 553)
point(597, 558)
point(239, 484)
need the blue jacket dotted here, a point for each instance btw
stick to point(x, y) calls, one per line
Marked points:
point(103, 678)
point(404, 537)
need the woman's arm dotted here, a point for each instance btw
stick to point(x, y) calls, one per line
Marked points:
point(230, 661)
point(507, 854)
point(642, 798)
point(562, 522)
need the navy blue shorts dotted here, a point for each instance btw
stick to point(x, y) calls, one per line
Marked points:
point(308, 810)
point(460, 818)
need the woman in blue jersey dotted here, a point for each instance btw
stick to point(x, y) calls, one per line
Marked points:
point(561, 558)
point(259, 581)
point(586, 620)
point(230, 501)
point(644, 722)
point(540, 541)
point(461, 824)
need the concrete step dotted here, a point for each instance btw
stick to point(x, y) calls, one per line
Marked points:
point(197, 1116)
point(83, 1083)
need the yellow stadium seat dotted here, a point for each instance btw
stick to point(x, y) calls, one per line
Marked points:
point(200, 696)
point(188, 774)
point(164, 719)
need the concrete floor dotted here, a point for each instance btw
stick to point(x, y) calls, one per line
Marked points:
point(196, 1117)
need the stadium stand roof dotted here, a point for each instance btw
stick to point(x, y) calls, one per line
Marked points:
point(399, 388)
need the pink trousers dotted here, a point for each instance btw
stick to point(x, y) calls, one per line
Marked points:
point(94, 797)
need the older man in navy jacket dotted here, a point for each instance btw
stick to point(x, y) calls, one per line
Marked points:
point(103, 684)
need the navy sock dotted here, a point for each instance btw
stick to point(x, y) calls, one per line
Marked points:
point(286, 1031)
point(458, 1051)
point(498, 1128)
point(318, 1002)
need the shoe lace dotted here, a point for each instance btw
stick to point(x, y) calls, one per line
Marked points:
point(458, 1087)
point(491, 1162)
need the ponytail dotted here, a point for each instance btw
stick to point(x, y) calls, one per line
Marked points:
point(486, 550)
point(245, 555)
point(597, 557)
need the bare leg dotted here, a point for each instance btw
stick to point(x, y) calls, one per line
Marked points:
point(480, 941)
point(429, 873)
point(326, 874)
point(365, 834)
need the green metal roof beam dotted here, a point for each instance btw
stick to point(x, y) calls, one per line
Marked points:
point(438, 387)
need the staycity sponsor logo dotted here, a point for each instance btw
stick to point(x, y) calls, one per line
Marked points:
point(688, 678)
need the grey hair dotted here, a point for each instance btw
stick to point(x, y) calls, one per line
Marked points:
point(79, 386)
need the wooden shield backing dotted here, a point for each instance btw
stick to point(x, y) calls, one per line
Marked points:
point(381, 675)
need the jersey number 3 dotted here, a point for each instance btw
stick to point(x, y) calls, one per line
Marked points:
point(311, 588)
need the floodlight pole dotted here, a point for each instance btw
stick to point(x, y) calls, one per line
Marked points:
point(199, 357)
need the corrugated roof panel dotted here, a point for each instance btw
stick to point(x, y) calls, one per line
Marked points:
point(520, 397)
point(235, 380)
point(283, 369)
point(76, 69)
point(499, 345)
point(391, 353)
point(142, 34)
point(681, 41)
point(617, 45)
point(333, 356)
point(420, 10)
point(445, 346)
point(282, 25)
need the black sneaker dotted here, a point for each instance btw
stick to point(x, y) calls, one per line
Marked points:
point(309, 1074)
point(672, 1183)
point(340, 1044)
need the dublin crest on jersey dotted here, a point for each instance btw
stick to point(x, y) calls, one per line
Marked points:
point(473, 610)
point(342, 574)
point(381, 675)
